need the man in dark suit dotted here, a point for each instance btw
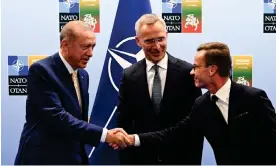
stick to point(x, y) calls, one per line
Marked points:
point(238, 121)
point(155, 93)
point(56, 127)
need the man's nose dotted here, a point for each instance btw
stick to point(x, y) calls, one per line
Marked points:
point(90, 52)
point(192, 72)
point(157, 44)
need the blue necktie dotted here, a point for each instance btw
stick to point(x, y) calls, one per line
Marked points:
point(156, 90)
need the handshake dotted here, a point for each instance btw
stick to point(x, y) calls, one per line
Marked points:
point(118, 139)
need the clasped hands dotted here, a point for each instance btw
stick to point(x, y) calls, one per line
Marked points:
point(118, 139)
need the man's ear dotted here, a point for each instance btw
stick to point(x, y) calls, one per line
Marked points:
point(213, 70)
point(138, 41)
point(64, 44)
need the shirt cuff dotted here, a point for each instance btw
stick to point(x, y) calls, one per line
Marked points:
point(137, 140)
point(103, 137)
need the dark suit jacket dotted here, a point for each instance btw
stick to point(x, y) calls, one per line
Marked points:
point(137, 115)
point(248, 138)
point(55, 130)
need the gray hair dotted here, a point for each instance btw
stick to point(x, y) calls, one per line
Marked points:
point(70, 30)
point(148, 19)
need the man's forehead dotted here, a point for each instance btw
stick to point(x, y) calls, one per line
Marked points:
point(152, 35)
point(199, 56)
point(155, 27)
point(86, 34)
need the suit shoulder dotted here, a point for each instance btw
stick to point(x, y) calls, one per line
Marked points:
point(248, 90)
point(184, 65)
point(201, 98)
point(132, 68)
point(42, 63)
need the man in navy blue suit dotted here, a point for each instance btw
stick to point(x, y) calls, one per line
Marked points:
point(56, 127)
point(238, 121)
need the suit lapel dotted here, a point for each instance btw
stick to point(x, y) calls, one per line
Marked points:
point(215, 112)
point(172, 72)
point(66, 79)
point(64, 75)
point(82, 85)
point(141, 76)
point(234, 99)
point(83, 88)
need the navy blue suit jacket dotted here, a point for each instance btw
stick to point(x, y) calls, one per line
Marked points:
point(137, 115)
point(56, 130)
point(249, 137)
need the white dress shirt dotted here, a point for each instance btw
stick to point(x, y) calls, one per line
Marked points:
point(163, 66)
point(223, 99)
point(70, 70)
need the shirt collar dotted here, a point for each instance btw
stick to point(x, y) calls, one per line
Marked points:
point(224, 92)
point(67, 65)
point(163, 63)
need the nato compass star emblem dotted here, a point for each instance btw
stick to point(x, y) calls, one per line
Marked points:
point(17, 65)
point(116, 54)
point(171, 3)
point(69, 3)
point(272, 4)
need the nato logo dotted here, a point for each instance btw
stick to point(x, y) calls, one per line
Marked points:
point(17, 74)
point(269, 16)
point(69, 6)
point(18, 65)
point(171, 6)
point(68, 11)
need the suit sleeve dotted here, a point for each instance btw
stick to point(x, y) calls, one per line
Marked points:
point(125, 118)
point(267, 117)
point(189, 126)
point(52, 115)
point(190, 92)
point(193, 138)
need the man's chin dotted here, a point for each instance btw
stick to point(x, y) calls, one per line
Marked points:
point(157, 58)
point(198, 85)
point(82, 66)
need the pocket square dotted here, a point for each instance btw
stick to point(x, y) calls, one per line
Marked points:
point(242, 114)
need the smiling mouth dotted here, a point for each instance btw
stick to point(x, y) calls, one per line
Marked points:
point(156, 54)
point(85, 61)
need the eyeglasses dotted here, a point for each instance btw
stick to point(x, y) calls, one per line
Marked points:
point(154, 40)
point(199, 66)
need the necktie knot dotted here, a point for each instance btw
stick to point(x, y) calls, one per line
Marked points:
point(74, 74)
point(214, 98)
point(155, 67)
